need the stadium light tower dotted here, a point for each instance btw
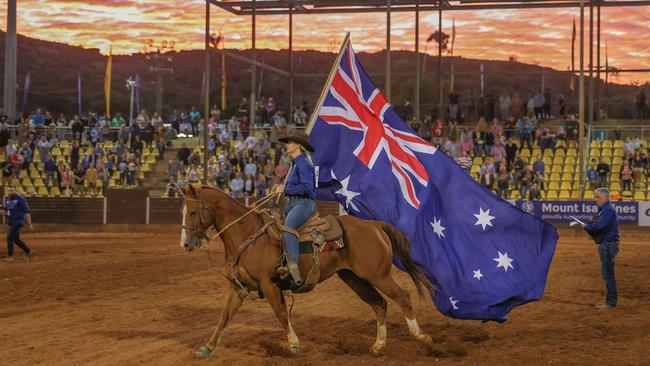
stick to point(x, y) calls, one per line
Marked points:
point(130, 85)
point(159, 58)
point(10, 62)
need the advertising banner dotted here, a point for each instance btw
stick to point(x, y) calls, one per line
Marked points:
point(644, 213)
point(561, 211)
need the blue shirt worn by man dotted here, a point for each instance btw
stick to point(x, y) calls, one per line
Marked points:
point(17, 208)
point(607, 223)
point(301, 181)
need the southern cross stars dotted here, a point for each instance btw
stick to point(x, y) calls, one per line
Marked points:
point(345, 192)
point(453, 303)
point(483, 218)
point(438, 228)
point(477, 274)
point(504, 261)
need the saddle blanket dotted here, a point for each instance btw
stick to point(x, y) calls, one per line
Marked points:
point(307, 246)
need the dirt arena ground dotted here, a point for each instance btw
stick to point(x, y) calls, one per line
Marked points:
point(124, 299)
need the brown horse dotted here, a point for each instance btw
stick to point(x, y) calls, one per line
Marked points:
point(364, 264)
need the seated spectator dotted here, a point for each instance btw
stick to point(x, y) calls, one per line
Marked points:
point(49, 168)
point(527, 180)
point(172, 188)
point(260, 186)
point(486, 174)
point(464, 161)
point(250, 168)
point(173, 167)
point(237, 185)
point(193, 174)
point(603, 172)
point(504, 180)
point(498, 153)
point(249, 185)
point(534, 193)
point(182, 180)
point(626, 176)
point(66, 180)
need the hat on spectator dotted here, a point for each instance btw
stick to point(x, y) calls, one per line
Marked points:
point(298, 137)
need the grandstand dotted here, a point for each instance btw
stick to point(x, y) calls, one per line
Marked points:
point(563, 181)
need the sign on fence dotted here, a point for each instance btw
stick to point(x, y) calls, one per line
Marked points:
point(561, 211)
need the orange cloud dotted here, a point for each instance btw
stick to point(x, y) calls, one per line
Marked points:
point(532, 36)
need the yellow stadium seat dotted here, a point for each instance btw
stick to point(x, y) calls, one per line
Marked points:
point(26, 182)
point(151, 159)
point(570, 160)
point(23, 174)
point(606, 152)
point(548, 153)
point(475, 169)
point(618, 153)
point(589, 194)
point(64, 144)
point(38, 182)
point(514, 194)
point(525, 153)
point(559, 153)
point(567, 177)
point(42, 191)
point(572, 152)
point(553, 186)
point(547, 161)
point(607, 144)
point(556, 169)
point(555, 177)
point(615, 186)
point(558, 160)
point(566, 186)
point(595, 144)
point(575, 195)
point(639, 196)
point(551, 195)
point(606, 160)
point(568, 169)
point(564, 195)
point(618, 143)
point(617, 160)
point(477, 160)
point(55, 191)
point(576, 186)
point(594, 152)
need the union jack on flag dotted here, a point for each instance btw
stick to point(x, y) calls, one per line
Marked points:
point(360, 106)
point(484, 255)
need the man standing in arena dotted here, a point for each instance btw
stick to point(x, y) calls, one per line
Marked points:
point(604, 230)
point(17, 215)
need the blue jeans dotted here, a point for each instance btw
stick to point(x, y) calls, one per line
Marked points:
point(295, 214)
point(607, 251)
point(13, 236)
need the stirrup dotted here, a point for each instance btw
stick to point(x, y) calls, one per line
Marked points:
point(294, 270)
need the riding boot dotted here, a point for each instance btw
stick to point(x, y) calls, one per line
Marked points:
point(294, 270)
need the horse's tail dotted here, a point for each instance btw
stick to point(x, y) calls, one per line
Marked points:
point(402, 250)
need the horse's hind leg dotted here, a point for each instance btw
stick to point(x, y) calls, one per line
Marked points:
point(276, 299)
point(387, 285)
point(232, 304)
point(377, 302)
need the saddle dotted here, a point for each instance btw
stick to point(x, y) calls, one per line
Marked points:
point(316, 235)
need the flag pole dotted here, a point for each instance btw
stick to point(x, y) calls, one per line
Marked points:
point(323, 92)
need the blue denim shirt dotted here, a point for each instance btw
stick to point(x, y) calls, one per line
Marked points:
point(607, 223)
point(17, 208)
point(302, 178)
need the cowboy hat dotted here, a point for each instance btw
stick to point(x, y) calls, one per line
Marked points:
point(298, 137)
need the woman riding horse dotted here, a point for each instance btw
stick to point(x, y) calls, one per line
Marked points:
point(300, 190)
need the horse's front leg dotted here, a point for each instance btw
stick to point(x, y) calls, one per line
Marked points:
point(276, 299)
point(232, 303)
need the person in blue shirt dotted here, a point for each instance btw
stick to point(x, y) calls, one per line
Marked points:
point(17, 216)
point(300, 189)
point(604, 230)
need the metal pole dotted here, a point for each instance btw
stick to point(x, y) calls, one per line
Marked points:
point(387, 66)
point(591, 63)
point(206, 95)
point(440, 113)
point(598, 82)
point(290, 109)
point(132, 87)
point(417, 60)
point(10, 62)
point(251, 106)
point(581, 102)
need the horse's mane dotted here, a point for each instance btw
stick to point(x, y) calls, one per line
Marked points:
point(218, 190)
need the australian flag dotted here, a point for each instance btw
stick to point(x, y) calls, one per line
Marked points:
point(484, 255)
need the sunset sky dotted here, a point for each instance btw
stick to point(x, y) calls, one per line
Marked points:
point(539, 36)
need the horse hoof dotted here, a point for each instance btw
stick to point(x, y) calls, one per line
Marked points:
point(376, 350)
point(295, 350)
point(203, 352)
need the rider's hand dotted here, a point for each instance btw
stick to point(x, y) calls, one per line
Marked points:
point(30, 226)
point(279, 188)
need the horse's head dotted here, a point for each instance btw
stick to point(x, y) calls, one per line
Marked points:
point(197, 218)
